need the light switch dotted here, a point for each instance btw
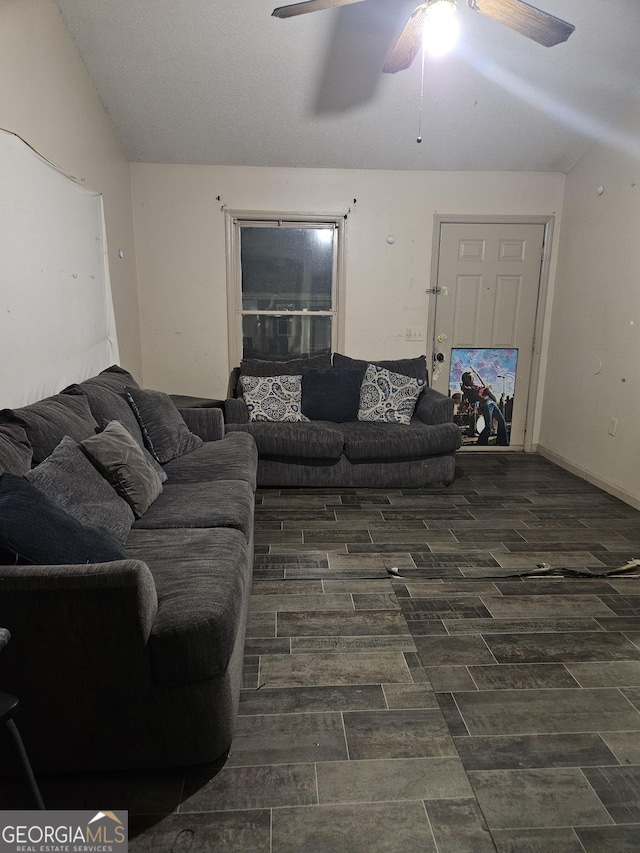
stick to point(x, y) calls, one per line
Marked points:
point(414, 334)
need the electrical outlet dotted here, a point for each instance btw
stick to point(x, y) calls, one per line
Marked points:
point(414, 334)
point(613, 426)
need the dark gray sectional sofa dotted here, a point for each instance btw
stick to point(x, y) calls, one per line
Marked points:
point(136, 660)
point(352, 453)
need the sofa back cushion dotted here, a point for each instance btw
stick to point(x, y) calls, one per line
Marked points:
point(332, 394)
point(265, 367)
point(48, 421)
point(15, 451)
point(414, 367)
point(107, 399)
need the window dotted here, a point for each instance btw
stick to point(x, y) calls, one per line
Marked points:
point(283, 286)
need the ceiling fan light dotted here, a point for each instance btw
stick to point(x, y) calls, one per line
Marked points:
point(441, 27)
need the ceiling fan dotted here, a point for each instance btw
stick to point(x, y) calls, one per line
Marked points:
point(528, 20)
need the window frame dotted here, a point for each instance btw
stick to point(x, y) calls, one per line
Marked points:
point(234, 221)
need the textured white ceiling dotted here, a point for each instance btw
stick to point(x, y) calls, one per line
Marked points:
point(222, 82)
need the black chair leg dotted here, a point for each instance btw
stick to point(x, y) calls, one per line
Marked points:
point(26, 765)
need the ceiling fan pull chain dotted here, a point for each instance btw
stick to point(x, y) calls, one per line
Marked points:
point(419, 139)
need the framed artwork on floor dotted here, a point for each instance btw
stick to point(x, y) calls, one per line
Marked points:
point(482, 385)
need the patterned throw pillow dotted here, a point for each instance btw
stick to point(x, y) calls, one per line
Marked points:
point(388, 397)
point(273, 398)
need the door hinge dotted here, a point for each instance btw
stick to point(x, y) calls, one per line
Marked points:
point(435, 290)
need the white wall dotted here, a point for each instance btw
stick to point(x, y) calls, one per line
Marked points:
point(180, 244)
point(47, 98)
point(594, 354)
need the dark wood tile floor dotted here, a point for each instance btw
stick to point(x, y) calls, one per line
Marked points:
point(458, 707)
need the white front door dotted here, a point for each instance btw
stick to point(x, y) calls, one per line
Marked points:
point(487, 290)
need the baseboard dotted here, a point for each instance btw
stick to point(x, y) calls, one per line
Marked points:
point(610, 488)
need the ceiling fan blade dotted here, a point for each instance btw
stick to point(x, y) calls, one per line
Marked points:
point(408, 44)
point(525, 19)
point(309, 6)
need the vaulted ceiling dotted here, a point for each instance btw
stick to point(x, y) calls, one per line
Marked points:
point(222, 82)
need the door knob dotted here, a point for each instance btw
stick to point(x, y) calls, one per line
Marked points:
point(438, 356)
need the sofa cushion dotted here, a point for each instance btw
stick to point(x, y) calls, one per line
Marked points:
point(165, 433)
point(115, 377)
point(414, 367)
point(398, 441)
point(202, 578)
point(273, 398)
point(331, 395)
point(388, 397)
point(264, 367)
point(220, 503)
point(48, 421)
point(15, 451)
point(107, 400)
point(34, 529)
point(120, 459)
point(233, 457)
point(68, 478)
point(310, 440)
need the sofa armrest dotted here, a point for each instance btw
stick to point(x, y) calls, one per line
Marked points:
point(206, 423)
point(235, 411)
point(79, 660)
point(78, 601)
point(434, 408)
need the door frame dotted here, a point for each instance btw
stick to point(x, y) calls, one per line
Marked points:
point(548, 222)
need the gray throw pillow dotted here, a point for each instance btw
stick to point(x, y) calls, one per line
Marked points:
point(121, 461)
point(68, 478)
point(48, 421)
point(165, 433)
point(15, 451)
point(157, 467)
